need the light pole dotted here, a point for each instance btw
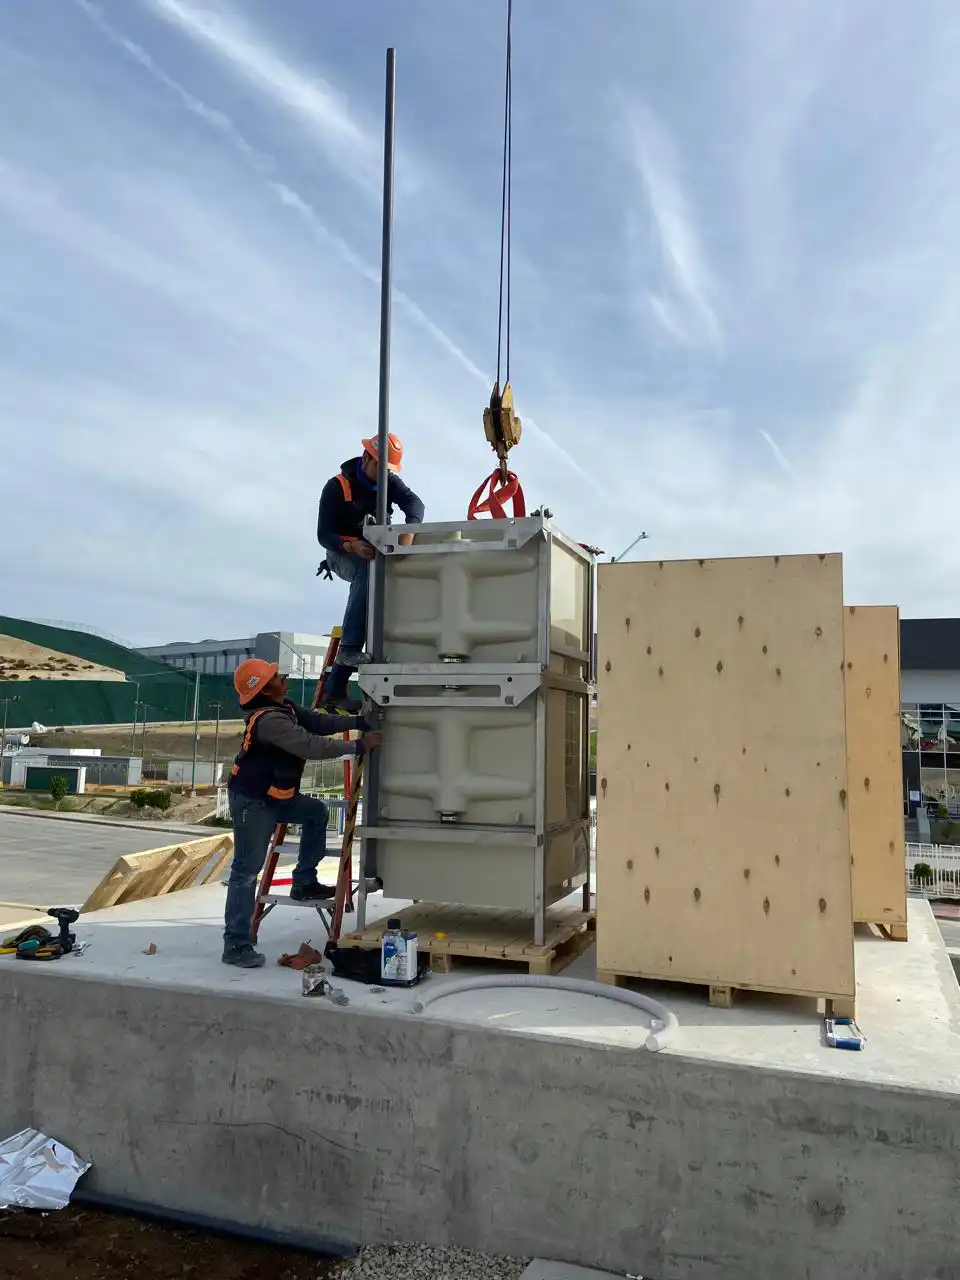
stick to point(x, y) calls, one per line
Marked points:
point(196, 729)
point(143, 731)
point(216, 739)
point(3, 732)
point(136, 703)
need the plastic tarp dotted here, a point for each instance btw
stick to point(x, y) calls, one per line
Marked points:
point(37, 1172)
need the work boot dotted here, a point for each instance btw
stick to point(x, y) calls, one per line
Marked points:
point(312, 893)
point(347, 657)
point(244, 957)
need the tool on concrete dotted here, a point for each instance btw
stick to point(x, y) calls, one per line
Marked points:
point(32, 933)
point(665, 1021)
point(843, 1033)
point(266, 900)
point(65, 917)
point(38, 944)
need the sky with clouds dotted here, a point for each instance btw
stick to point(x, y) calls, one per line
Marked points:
point(735, 309)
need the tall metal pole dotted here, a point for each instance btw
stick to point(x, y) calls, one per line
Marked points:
point(136, 703)
point(386, 298)
point(196, 729)
point(3, 734)
point(371, 799)
point(216, 744)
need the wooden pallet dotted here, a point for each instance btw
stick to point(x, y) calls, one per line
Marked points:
point(455, 935)
point(159, 871)
point(722, 995)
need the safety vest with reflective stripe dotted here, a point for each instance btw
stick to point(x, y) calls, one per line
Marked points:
point(264, 772)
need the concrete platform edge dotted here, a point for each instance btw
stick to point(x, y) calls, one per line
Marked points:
point(338, 1125)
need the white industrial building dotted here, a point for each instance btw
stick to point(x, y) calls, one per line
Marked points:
point(299, 656)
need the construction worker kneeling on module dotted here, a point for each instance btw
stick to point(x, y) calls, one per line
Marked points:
point(345, 503)
point(264, 790)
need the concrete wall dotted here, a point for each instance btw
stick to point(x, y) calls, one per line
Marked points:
point(360, 1128)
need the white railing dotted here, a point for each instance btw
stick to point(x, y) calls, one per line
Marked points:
point(223, 805)
point(939, 869)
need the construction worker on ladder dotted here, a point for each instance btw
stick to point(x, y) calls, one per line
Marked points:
point(264, 790)
point(347, 499)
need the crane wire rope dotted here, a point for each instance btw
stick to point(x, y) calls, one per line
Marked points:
point(502, 427)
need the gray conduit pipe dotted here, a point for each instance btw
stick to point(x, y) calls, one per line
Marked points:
point(665, 1022)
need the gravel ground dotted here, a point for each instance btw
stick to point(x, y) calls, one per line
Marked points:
point(420, 1262)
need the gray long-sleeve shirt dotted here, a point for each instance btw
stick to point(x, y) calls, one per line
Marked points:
point(308, 734)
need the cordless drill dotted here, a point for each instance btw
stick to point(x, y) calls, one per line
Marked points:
point(52, 948)
point(65, 917)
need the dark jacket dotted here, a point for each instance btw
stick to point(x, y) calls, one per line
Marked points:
point(279, 738)
point(349, 497)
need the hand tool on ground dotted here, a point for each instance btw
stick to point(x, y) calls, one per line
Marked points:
point(65, 917)
point(32, 933)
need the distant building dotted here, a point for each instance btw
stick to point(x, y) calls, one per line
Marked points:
point(298, 656)
point(930, 710)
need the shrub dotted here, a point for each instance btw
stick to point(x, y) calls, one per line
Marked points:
point(144, 799)
point(923, 873)
point(58, 789)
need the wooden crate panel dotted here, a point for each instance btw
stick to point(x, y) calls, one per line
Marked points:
point(875, 771)
point(481, 934)
point(723, 847)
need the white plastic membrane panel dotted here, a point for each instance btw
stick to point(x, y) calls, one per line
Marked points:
point(463, 764)
point(486, 766)
point(481, 875)
point(462, 595)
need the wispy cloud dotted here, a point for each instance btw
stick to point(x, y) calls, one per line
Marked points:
point(235, 43)
point(308, 98)
point(685, 304)
point(777, 452)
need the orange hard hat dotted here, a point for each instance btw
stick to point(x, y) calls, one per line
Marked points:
point(252, 677)
point(394, 450)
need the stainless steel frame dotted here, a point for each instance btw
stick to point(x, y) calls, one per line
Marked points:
point(457, 684)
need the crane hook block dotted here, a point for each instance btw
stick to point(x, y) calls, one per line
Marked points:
point(501, 425)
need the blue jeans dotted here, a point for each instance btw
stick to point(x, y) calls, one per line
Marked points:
point(253, 823)
point(355, 571)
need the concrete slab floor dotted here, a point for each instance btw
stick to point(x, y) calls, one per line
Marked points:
point(909, 999)
point(57, 863)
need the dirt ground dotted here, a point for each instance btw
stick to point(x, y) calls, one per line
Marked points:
point(162, 741)
point(77, 1243)
point(20, 660)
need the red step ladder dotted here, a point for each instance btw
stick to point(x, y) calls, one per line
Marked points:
point(331, 913)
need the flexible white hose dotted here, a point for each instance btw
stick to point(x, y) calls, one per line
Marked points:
point(665, 1022)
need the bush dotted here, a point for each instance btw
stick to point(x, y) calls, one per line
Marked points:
point(59, 787)
point(143, 799)
point(923, 873)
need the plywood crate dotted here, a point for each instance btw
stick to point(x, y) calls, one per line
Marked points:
point(723, 851)
point(872, 678)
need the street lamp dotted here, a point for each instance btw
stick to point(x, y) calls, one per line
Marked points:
point(136, 703)
point(216, 738)
point(196, 729)
point(3, 732)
